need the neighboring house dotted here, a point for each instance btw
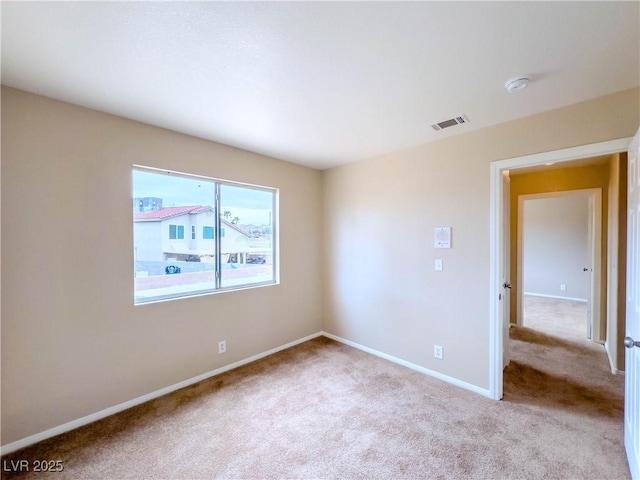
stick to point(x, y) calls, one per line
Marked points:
point(186, 234)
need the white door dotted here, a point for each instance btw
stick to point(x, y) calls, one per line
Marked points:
point(505, 266)
point(588, 271)
point(632, 357)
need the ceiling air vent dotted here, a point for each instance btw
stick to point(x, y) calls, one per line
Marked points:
point(450, 123)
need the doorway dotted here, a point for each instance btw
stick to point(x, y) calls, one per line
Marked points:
point(559, 262)
point(498, 240)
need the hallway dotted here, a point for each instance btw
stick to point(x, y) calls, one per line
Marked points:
point(555, 370)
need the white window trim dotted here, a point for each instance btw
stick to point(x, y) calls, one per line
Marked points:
point(218, 235)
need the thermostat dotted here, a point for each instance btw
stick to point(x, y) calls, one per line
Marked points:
point(442, 237)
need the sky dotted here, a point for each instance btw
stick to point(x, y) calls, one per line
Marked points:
point(252, 206)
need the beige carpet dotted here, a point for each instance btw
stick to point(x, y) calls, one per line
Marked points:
point(557, 317)
point(325, 410)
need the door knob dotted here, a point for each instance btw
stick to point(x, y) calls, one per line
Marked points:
point(630, 342)
point(507, 285)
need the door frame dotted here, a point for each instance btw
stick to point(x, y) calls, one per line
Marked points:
point(496, 220)
point(595, 254)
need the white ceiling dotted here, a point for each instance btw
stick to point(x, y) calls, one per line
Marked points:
point(315, 83)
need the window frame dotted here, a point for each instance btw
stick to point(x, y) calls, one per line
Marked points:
point(177, 229)
point(218, 235)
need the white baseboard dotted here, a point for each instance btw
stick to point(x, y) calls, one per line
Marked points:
point(612, 364)
point(412, 366)
point(80, 422)
point(555, 296)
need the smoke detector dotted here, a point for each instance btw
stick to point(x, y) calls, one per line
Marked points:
point(516, 84)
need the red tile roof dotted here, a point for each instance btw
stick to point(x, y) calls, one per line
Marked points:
point(169, 212)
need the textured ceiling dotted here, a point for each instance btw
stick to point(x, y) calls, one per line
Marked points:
point(315, 83)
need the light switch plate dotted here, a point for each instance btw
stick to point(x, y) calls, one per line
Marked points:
point(438, 264)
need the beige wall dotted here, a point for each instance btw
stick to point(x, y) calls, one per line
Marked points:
point(622, 260)
point(72, 341)
point(556, 246)
point(382, 291)
point(617, 231)
point(560, 180)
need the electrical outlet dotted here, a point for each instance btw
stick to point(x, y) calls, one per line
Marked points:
point(563, 287)
point(222, 346)
point(437, 352)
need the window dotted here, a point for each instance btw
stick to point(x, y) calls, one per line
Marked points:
point(176, 232)
point(237, 246)
point(207, 233)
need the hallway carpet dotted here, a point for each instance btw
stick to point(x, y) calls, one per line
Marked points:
point(557, 371)
point(557, 317)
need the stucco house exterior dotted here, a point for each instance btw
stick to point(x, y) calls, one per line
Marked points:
point(186, 233)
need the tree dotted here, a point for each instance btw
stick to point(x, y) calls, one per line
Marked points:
point(235, 220)
point(226, 215)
